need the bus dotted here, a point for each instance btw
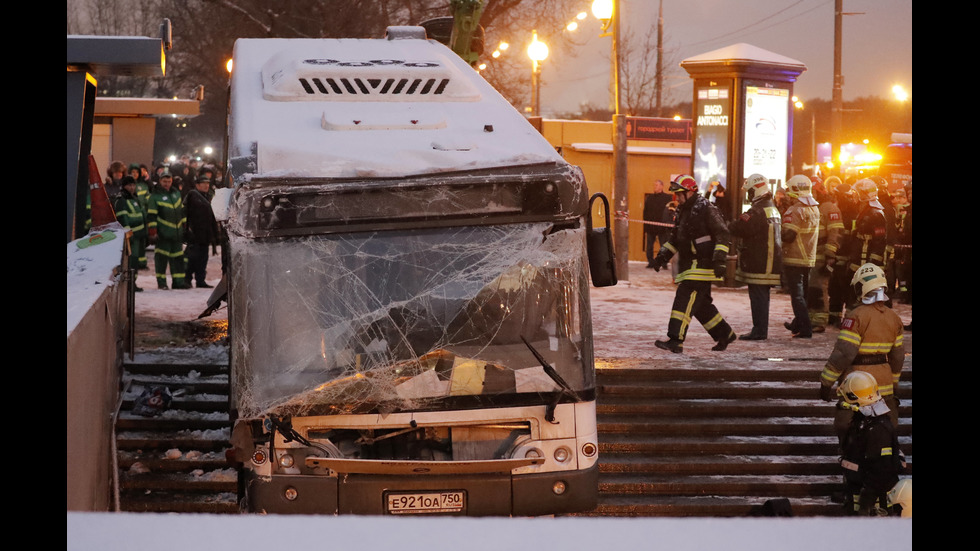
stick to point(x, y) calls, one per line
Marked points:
point(408, 288)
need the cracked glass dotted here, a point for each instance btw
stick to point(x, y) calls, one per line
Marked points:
point(409, 319)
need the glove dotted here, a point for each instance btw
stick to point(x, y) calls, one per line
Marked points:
point(721, 270)
point(827, 393)
point(152, 235)
point(658, 262)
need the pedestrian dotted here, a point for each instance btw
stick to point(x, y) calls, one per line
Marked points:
point(760, 256)
point(801, 223)
point(701, 240)
point(653, 211)
point(870, 452)
point(721, 201)
point(165, 224)
point(202, 232)
point(113, 181)
point(130, 213)
point(870, 340)
point(828, 243)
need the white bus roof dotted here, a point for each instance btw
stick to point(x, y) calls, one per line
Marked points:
point(355, 108)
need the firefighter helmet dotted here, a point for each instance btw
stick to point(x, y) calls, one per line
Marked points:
point(798, 187)
point(867, 192)
point(901, 495)
point(859, 389)
point(868, 278)
point(683, 183)
point(757, 187)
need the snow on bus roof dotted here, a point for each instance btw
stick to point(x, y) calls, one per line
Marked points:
point(340, 108)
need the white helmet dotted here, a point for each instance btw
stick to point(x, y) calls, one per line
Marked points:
point(859, 388)
point(798, 187)
point(867, 192)
point(868, 278)
point(757, 187)
point(901, 495)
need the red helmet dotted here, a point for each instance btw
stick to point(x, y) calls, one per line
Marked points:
point(683, 183)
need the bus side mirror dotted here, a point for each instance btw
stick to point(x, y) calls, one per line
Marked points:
point(599, 244)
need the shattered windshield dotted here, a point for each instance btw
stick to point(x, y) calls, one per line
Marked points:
point(409, 319)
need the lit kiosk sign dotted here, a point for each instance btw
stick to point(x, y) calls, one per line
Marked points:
point(742, 122)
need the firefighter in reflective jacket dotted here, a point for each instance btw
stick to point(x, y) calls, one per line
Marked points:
point(760, 252)
point(867, 241)
point(870, 453)
point(828, 243)
point(700, 239)
point(870, 340)
point(165, 223)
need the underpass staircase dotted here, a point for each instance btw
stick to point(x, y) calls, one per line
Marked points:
point(713, 442)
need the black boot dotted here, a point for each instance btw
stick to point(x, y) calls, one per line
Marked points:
point(723, 343)
point(673, 345)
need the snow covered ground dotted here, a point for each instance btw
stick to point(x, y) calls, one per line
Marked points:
point(626, 320)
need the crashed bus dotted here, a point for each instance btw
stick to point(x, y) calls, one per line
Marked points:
point(408, 288)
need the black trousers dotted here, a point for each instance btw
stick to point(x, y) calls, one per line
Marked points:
point(693, 299)
point(798, 280)
point(759, 301)
point(197, 262)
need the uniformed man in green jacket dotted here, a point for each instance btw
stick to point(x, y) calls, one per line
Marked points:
point(129, 213)
point(165, 222)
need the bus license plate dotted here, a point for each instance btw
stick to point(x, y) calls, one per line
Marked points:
point(426, 502)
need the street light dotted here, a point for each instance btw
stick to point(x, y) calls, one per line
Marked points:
point(813, 133)
point(538, 52)
point(608, 12)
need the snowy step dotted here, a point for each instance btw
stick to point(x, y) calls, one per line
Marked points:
point(705, 506)
point(209, 439)
point(757, 486)
point(172, 460)
point(720, 465)
point(219, 480)
point(176, 369)
point(164, 501)
point(654, 408)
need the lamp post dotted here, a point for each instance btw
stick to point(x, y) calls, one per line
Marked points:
point(538, 52)
point(608, 12)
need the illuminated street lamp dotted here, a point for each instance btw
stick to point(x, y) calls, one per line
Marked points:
point(538, 52)
point(813, 133)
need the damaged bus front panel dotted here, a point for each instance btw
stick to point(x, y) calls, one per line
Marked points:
point(413, 344)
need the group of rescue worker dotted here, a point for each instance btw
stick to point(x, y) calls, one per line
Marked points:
point(161, 213)
point(833, 253)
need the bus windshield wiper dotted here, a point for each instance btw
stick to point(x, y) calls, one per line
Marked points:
point(566, 389)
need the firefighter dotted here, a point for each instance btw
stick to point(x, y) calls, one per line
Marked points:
point(839, 285)
point(165, 216)
point(868, 239)
point(828, 243)
point(801, 223)
point(129, 213)
point(870, 340)
point(870, 453)
point(760, 256)
point(700, 239)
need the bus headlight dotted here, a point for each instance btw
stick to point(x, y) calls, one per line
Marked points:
point(286, 460)
point(589, 449)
